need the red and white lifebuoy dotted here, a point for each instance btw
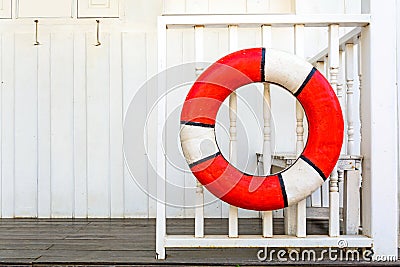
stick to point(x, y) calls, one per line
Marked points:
point(325, 129)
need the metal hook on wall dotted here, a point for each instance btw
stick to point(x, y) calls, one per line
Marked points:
point(98, 33)
point(36, 32)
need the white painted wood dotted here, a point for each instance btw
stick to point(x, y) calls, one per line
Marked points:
point(98, 126)
point(116, 123)
point(233, 211)
point(5, 9)
point(348, 37)
point(379, 124)
point(350, 97)
point(334, 225)
point(316, 6)
point(25, 126)
point(136, 201)
point(277, 241)
point(267, 216)
point(151, 40)
point(1, 118)
point(25, 114)
point(161, 218)
point(44, 131)
point(301, 206)
point(227, 7)
point(257, 6)
point(351, 205)
point(7, 124)
point(199, 210)
point(80, 129)
point(196, 6)
point(340, 94)
point(281, 6)
point(44, 8)
point(62, 89)
point(353, 20)
point(98, 8)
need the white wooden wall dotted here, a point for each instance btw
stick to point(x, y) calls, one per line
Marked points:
point(63, 102)
point(62, 109)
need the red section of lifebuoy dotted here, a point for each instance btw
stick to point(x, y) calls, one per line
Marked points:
point(271, 192)
point(325, 123)
point(217, 174)
point(215, 84)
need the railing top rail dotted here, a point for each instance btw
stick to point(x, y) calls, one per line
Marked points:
point(286, 20)
point(345, 39)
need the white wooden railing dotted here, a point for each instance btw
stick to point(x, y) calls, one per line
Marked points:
point(346, 175)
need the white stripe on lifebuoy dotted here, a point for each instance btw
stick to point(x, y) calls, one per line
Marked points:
point(197, 142)
point(286, 70)
point(300, 180)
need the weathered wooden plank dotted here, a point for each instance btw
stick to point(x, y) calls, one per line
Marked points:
point(116, 126)
point(80, 129)
point(44, 127)
point(98, 125)
point(62, 138)
point(7, 125)
point(26, 104)
point(134, 74)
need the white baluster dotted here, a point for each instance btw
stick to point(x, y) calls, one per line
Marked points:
point(233, 211)
point(334, 226)
point(340, 96)
point(352, 181)
point(199, 210)
point(350, 97)
point(267, 215)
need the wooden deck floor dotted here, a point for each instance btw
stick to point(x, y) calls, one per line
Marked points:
point(40, 242)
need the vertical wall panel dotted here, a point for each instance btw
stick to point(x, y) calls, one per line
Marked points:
point(5, 9)
point(151, 65)
point(62, 89)
point(25, 126)
point(44, 113)
point(116, 115)
point(7, 125)
point(227, 6)
point(80, 130)
point(98, 126)
point(44, 8)
point(134, 75)
point(197, 6)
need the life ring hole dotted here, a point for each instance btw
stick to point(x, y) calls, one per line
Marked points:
point(249, 136)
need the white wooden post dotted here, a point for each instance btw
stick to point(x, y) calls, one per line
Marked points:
point(351, 211)
point(295, 216)
point(233, 211)
point(199, 210)
point(379, 127)
point(161, 223)
point(340, 95)
point(267, 215)
point(349, 48)
point(334, 226)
